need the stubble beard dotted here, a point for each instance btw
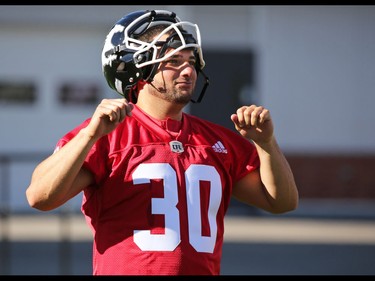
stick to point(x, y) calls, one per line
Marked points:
point(173, 95)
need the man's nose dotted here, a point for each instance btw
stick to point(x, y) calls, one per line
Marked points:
point(187, 69)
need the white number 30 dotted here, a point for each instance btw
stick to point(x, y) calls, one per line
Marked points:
point(167, 206)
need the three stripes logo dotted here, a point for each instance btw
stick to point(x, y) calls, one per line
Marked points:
point(219, 147)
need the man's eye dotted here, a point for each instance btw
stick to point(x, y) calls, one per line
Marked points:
point(178, 62)
point(172, 61)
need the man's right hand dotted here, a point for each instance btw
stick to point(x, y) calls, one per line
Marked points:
point(108, 114)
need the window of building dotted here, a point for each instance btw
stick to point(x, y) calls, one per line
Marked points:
point(17, 93)
point(79, 93)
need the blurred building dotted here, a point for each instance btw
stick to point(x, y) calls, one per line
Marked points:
point(312, 66)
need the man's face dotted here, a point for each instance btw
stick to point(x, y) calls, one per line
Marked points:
point(176, 76)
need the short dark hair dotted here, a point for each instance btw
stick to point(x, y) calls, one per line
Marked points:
point(153, 31)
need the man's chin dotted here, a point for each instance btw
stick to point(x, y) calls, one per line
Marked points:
point(183, 100)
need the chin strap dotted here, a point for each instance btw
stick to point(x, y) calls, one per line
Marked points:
point(206, 83)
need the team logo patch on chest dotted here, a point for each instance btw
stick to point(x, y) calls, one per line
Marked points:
point(176, 146)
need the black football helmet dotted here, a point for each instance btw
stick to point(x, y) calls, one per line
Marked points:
point(127, 60)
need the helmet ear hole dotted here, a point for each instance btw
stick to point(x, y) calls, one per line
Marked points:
point(127, 72)
point(121, 66)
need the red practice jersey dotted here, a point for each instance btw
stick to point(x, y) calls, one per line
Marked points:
point(161, 191)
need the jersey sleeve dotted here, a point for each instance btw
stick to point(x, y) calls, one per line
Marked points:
point(246, 157)
point(96, 157)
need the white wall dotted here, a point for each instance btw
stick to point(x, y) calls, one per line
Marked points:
point(318, 77)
